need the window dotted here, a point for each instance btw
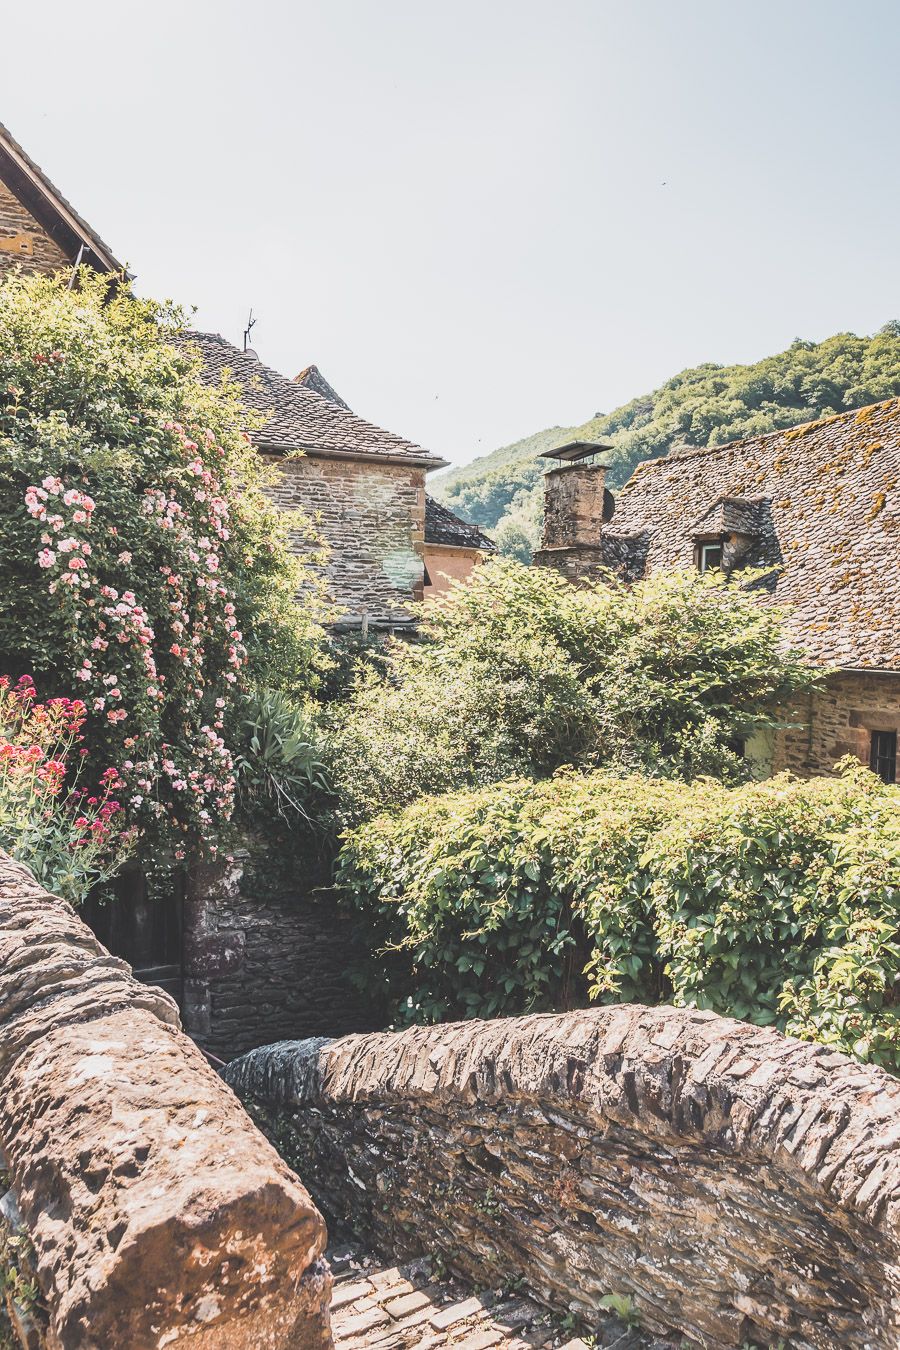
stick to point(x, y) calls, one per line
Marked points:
point(709, 557)
point(883, 755)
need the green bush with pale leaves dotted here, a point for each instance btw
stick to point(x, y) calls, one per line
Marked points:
point(775, 902)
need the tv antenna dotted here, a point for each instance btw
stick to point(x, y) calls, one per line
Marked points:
point(250, 322)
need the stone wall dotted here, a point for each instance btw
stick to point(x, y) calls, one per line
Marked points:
point(46, 256)
point(371, 515)
point(839, 721)
point(267, 956)
point(738, 1186)
point(144, 1209)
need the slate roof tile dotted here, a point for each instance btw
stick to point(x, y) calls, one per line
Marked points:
point(299, 418)
point(827, 504)
point(443, 527)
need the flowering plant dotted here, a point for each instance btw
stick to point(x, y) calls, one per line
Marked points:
point(140, 554)
point(71, 838)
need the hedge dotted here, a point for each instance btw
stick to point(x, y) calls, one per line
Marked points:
point(775, 902)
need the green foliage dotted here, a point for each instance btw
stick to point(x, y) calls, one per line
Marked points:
point(142, 562)
point(280, 765)
point(706, 405)
point(774, 902)
point(518, 672)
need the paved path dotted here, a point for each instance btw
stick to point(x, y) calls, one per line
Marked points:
point(380, 1307)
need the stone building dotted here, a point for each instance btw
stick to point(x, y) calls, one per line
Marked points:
point(817, 508)
point(39, 230)
point(363, 488)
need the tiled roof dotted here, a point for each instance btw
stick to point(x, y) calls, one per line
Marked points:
point(826, 503)
point(297, 417)
point(443, 527)
point(313, 378)
point(59, 218)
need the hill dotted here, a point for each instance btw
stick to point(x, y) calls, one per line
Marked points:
point(706, 405)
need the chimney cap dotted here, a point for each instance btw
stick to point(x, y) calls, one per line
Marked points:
point(575, 451)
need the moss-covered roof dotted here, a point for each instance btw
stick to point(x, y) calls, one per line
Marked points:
point(826, 502)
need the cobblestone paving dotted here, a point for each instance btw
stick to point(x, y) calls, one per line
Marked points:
point(380, 1307)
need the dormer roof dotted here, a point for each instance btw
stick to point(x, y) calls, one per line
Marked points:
point(728, 515)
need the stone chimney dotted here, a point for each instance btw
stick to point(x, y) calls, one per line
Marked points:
point(576, 505)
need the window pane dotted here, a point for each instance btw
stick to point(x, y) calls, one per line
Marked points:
point(710, 556)
point(883, 755)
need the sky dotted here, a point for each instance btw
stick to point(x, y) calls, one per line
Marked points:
point(484, 217)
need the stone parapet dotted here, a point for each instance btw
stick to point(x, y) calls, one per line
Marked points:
point(729, 1183)
point(144, 1210)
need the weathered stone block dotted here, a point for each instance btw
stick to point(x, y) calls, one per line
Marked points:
point(155, 1213)
point(737, 1185)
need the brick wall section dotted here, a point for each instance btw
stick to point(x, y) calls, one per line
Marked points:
point(839, 721)
point(741, 1187)
point(14, 219)
point(266, 963)
point(371, 515)
point(152, 1212)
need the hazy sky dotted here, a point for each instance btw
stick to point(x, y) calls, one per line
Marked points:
point(483, 217)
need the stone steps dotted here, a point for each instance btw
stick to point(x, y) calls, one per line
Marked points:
point(380, 1307)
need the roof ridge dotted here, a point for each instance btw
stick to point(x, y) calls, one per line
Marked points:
point(797, 429)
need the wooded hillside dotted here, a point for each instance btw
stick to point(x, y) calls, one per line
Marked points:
point(706, 405)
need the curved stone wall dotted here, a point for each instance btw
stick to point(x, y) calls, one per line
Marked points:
point(738, 1186)
point(144, 1209)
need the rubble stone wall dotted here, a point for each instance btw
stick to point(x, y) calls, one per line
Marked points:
point(738, 1186)
point(143, 1208)
point(15, 220)
point(839, 721)
point(371, 517)
point(266, 960)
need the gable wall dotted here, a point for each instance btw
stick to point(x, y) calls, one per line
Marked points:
point(371, 516)
point(14, 219)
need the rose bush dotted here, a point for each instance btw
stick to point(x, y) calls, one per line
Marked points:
point(143, 565)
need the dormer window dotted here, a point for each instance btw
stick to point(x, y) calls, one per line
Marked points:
point(709, 556)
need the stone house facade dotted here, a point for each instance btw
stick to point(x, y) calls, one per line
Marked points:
point(817, 509)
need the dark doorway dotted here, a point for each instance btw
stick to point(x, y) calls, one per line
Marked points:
point(146, 931)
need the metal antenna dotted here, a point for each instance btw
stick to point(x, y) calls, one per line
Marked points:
point(250, 322)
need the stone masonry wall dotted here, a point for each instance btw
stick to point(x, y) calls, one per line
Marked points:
point(371, 516)
point(266, 958)
point(838, 722)
point(143, 1204)
point(14, 219)
point(740, 1187)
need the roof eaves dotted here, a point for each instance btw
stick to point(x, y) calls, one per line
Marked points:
point(36, 184)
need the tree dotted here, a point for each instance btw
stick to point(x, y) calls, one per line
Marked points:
point(520, 673)
point(144, 568)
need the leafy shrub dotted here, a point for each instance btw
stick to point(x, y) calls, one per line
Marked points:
point(775, 902)
point(72, 839)
point(280, 765)
point(519, 672)
point(139, 554)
